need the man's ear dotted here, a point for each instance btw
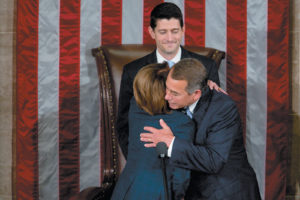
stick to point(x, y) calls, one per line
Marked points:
point(197, 94)
point(183, 29)
point(151, 32)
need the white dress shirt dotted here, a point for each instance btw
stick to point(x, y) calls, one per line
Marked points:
point(161, 59)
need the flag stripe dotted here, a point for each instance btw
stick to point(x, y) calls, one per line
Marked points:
point(195, 22)
point(48, 71)
point(132, 21)
point(257, 87)
point(278, 99)
point(69, 98)
point(89, 95)
point(215, 31)
point(148, 6)
point(27, 103)
point(111, 22)
point(236, 54)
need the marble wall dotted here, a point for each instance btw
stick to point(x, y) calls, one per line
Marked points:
point(7, 66)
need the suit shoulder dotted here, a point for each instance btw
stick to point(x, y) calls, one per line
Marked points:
point(223, 102)
point(204, 59)
point(139, 63)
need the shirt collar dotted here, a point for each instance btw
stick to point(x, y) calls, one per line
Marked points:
point(161, 59)
point(192, 106)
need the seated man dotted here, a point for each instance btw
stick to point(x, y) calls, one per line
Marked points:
point(217, 157)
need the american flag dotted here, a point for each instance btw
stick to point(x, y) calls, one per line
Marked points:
point(57, 95)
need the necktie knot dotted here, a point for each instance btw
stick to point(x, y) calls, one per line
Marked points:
point(170, 63)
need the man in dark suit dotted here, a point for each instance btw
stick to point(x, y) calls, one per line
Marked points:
point(167, 29)
point(217, 157)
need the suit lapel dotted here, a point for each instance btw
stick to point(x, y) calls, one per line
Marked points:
point(151, 58)
point(184, 53)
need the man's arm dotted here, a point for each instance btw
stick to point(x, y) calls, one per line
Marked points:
point(209, 156)
point(125, 95)
point(213, 86)
point(213, 73)
point(157, 135)
point(213, 77)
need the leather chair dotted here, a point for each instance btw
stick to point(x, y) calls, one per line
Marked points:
point(110, 60)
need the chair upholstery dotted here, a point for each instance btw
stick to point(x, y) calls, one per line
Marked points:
point(110, 60)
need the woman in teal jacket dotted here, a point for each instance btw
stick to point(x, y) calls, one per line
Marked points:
point(142, 176)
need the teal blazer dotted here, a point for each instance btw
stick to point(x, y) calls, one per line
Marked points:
point(142, 176)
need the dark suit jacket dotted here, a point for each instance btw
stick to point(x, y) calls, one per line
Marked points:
point(217, 158)
point(126, 90)
point(142, 176)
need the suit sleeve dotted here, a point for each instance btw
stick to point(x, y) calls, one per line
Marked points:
point(220, 133)
point(126, 93)
point(212, 73)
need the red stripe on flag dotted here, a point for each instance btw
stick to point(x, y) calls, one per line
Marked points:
point(195, 22)
point(278, 99)
point(148, 6)
point(69, 65)
point(26, 100)
point(237, 54)
point(111, 22)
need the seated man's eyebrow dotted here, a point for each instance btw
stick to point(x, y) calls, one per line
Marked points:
point(173, 92)
point(162, 30)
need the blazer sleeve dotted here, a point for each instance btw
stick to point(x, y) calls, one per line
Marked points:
point(180, 176)
point(210, 156)
point(180, 182)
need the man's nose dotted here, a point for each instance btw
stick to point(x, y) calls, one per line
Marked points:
point(167, 96)
point(169, 36)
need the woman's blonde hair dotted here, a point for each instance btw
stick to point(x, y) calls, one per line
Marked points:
point(149, 88)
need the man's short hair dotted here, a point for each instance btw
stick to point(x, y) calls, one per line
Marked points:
point(149, 88)
point(165, 10)
point(191, 70)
